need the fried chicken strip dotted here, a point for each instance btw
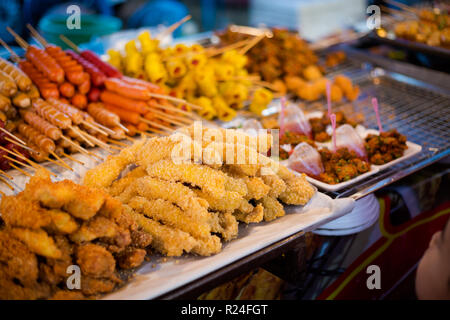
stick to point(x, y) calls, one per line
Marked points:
point(253, 216)
point(20, 212)
point(163, 211)
point(95, 261)
point(272, 208)
point(229, 202)
point(168, 241)
point(226, 225)
point(298, 191)
point(38, 241)
point(206, 178)
point(97, 227)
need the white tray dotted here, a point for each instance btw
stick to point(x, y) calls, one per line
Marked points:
point(157, 276)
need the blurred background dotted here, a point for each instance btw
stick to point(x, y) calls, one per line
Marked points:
point(313, 18)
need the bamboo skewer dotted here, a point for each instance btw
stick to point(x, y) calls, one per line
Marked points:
point(18, 162)
point(253, 43)
point(22, 43)
point(14, 56)
point(173, 27)
point(117, 142)
point(67, 41)
point(78, 147)
point(6, 182)
point(13, 136)
point(61, 160)
point(18, 144)
point(96, 141)
point(34, 164)
point(72, 158)
point(80, 134)
point(156, 125)
point(170, 98)
point(6, 175)
point(171, 116)
point(171, 108)
point(55, 162)
point(20, 170)
point(90, 125)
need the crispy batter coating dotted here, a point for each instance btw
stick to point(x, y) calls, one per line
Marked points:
point(229, 202)
point(298, 191)
point(206, 178)
point(91, 286)
point(118, 186)
point(226, 226)
point(104, 174)
point(140, 239)
point(207, 246)
point(272, 208)
point(254, 216)
point(131, 258)
point(68, 295)
point(276, 184)
point(168, 241)
point(62, 221)
point(95, 261)
point(16, 260)
point(38, 241)
point(97, 227)
point(165, 212)
point(20, 212)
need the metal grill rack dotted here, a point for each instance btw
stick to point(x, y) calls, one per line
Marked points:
point(416, 109)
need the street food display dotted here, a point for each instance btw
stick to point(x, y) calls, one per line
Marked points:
point(191, 207)
point(217, 82)
point(287, 62)
point(429, 27)
point(51, 226)
point(385, 147)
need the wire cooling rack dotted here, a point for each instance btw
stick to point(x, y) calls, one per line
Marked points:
point(418, 110)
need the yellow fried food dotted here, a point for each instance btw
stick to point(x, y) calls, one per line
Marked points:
point(38, 241)
point(298, 191)
point(272, 208)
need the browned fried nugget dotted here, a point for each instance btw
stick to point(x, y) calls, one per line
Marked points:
point(95, 261)
point(131, 258)
point(97, 227)
point(19, 212)
point(38, 241)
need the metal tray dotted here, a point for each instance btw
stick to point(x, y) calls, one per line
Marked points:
point(417, 109)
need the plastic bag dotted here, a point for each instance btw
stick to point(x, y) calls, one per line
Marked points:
point(306, 159)
point(346, 136)
point(251, 127)
point(295, 121)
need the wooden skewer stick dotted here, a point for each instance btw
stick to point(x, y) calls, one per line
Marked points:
point(2, 194)
point(18, 39)
point(106, 129)
point(61, 160)
point(55, 162)
point(171, 108)
point(72, 158)
point(96, 141)
point(90, 125)
point(216, 51)
point(129, 138)
point(72, 45)
point(173, 27)
point(79, 133)
point(122, 127)
point(34, 164)
point(19, 162)
point(6, 182)
point(12, 136)
point(253, 43)
point(172, 116)
point(18, 144)
point(156, 125)
point(37, 36)
point(20, 170)
point(5, 174)
point(118, 142)
point(78, 147)
point(170, 98)
point(14, 55)
point(168, 119)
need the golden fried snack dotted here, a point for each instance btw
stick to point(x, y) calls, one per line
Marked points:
point(118, 186)
point(298, 191)
point(229, 201)
point(20, 212)
point(95, 261)
point(207, 246)
point(131, 258)
point(16, 260)
point(97, 227)
point(254, 216)
point(276, 184)
point(62, 221)
point(103, 175)
point(226, 226)
point(168, 241)
point(38, 241)
point(169, 214)
point(257, 189)
point(206, 178)
point(272, 208)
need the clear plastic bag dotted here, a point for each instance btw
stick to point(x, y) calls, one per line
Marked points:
point(306, 159)
point(294, 121)
point(252, 127)
point(346, 136)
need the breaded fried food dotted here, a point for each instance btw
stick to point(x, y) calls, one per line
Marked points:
point(20, 212)
point(165, 212)
point(207, 246)
point(104, 174)
point(95, 261)
point(168, 241)
point(38, 241)
point(276, 184)
point(272, 208)
point(16, 260)
point(97, 227)
point(93, 286)
point(254, 216)
point(298, 191)
point(62, 221)
point(118, 186)
point(67, 295)
point(203, 177)
point(226, 226)
point(229, 202)
point(131, 258)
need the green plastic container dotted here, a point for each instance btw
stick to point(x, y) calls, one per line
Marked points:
point(53, 25)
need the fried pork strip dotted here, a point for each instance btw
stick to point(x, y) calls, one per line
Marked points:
point(38, 241)
point(272, 208)
point(253, 216)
